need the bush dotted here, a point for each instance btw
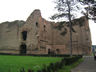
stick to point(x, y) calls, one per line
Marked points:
point(22, 70)
point(48, 69)
point(71, 60)
point(39, 71)
point(29, 70)
point(53, 67)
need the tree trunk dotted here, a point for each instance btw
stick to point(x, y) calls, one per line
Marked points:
point(70, 26)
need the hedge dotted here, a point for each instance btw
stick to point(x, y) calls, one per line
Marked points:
point(54, 67)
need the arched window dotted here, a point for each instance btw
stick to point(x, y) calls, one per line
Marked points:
point(36, 24)
point(24, 35)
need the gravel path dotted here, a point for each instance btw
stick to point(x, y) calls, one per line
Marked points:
point(89, 65)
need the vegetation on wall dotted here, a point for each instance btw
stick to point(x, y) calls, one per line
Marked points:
point(80, 22)
point(64, 32)
point(73, 30)
point(60, 26)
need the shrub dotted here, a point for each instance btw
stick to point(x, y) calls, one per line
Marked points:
point(71, 60)
point(39, 71)
point(53, 67)
point(48, 69)
point(29, 70)
point(22, 70)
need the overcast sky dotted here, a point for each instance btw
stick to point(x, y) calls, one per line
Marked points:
point(11, 10)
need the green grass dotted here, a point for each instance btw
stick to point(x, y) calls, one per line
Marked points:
point(15, 63)
point(69, 67)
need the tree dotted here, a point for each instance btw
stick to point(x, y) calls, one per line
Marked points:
point(66, 8)
point(90, 9)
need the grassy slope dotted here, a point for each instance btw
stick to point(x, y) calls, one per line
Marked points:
point(15, 63)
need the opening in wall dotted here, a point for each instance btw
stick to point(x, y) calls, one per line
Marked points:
point(24, 35)
point(49, 51)
point(23, 49)
point(37, 24)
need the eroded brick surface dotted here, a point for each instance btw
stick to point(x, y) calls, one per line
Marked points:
point(43, 37)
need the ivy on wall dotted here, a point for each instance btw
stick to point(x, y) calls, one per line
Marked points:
point(64, 32)
point(60, 26)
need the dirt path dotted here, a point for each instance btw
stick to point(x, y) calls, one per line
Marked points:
point(89, 65)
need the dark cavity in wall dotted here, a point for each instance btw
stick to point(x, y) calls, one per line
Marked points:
point(50, 52)
point(24, 35)
point(23, 49)
point(37, 24)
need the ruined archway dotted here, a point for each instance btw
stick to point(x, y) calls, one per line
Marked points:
point(24, 35)
point(23, 49)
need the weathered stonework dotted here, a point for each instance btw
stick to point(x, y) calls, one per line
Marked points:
point(38, 36)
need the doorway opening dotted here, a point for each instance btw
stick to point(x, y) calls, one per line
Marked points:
point(49, 52)
point(24, 35)
point(57, 50)
point(23, 49)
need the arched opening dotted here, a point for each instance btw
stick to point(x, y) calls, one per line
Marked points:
point(49, 52)
point(37, 24)
point(23, 49)
point(57, 50)
point(24, 35)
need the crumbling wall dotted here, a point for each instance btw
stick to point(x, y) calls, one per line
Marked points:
point(45, 35)
point(39, 36)
point(9, 36)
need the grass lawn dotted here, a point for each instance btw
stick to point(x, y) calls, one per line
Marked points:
point(10, 63)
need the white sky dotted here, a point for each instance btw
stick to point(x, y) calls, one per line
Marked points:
point(11, 10)
point(20, 9)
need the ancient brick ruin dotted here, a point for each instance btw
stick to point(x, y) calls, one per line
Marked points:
point(39, 36)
